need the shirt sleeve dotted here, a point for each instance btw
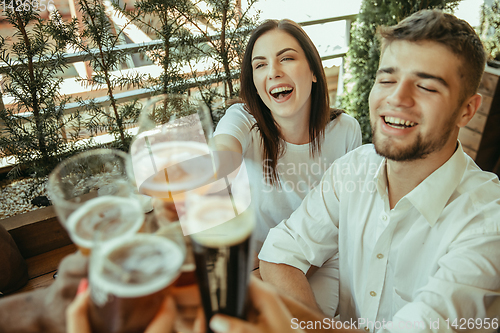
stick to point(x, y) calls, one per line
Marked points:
point(349, 131)
point(238, 123)
point(464, 292)
point(310, 235)
point(356, 137)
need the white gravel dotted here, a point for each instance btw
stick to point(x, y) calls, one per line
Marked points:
point(13, 197)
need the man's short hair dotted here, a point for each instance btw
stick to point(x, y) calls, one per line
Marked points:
point(455, 34)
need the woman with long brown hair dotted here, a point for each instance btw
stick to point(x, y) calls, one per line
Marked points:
point(285, 128)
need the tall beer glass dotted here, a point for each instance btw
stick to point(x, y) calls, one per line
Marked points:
point(170, 154)
point(130, 277)
point(220, 223)
point(93, 187)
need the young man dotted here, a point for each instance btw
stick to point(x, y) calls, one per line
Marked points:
point(415, 222)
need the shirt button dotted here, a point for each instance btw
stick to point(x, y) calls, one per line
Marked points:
point(367, 329)
point(380, 255)
point(372, 293)
point(384, 217)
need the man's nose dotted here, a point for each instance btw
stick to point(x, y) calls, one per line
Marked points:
point(401, 95)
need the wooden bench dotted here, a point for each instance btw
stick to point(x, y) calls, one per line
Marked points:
point(43, 243)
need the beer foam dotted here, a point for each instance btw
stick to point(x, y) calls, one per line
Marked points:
point(223, 222)
point(137, 266)
point(186, 165)
point(124, 215)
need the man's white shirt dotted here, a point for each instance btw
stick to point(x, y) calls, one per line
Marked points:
point(433, 258)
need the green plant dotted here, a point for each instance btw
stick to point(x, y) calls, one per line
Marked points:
point(215, 36)
point(364, 51)
point(233, 25)
point(33, 129)
point(99, 39)
point(164, 18)
point(489, 29)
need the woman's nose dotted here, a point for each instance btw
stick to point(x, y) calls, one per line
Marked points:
point(274, 71)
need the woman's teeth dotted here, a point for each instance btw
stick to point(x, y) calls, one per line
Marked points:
point(281, 92)
point(398, 122)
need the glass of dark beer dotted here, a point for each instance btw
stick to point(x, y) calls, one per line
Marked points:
point(130, 276)
point(220, 223)
point(94, 187)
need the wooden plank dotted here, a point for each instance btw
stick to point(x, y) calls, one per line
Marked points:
point(485, 107)
point(469, 138)
point(41, 268)
point(488, 83)
point(37, 232)
point(42, 281)
point(49, 261)
point(477, 122)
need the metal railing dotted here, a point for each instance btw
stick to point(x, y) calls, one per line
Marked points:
point(146, 92)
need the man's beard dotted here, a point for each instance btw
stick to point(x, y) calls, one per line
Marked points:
point(418, 149)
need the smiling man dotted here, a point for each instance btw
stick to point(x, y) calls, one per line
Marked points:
point(415, 223)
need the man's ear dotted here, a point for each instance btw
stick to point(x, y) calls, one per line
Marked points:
point(469, 108)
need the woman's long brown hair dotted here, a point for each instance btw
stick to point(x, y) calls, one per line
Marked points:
point(320, 115)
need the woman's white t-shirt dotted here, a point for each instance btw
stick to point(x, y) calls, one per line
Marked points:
point(298, 171)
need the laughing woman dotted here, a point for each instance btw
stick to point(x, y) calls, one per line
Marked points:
point(285, 128)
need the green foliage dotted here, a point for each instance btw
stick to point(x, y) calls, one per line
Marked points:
point(165, 18)
point(489, 29)
point(34, 130)
point(233, 25)
point(38, 133)
point(364, 53)
point(215, 36)
point(98, 39)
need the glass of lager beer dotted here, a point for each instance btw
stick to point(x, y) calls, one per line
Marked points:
point(90, 188)
point(220, 223)
point(170, 154)
point(130, 277)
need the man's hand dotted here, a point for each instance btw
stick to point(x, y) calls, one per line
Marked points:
point(271, 311)
point(268, 313)
point(62, 292)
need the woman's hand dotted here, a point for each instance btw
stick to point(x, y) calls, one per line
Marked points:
point(77, 314)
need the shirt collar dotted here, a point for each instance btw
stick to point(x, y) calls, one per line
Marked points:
point(380, 178)
point(431, 196)
point(433, 193)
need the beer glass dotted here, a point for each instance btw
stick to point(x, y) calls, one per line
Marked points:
point(130, 276)
point(220, 223)
point(90, 188)
point(170, 154)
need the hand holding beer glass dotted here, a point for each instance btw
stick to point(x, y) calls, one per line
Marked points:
point(93, 187)
point(170, 155)
point(131, 276)
point(172, 161)
point(220, 223)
